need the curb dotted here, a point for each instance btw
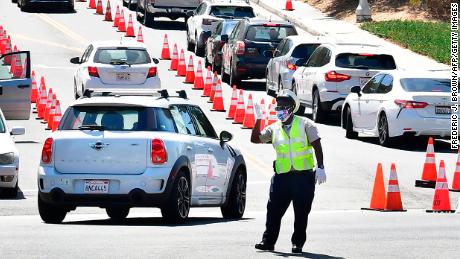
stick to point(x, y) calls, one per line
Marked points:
point(295, 21)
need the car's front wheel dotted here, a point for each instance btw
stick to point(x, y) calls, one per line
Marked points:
point(149, 19)
point(384, 136)
point(349, 133)
point(234, 78)
point(178, 206)
point(223, 75)
point(301, 110)
point(199, 50)
point(318, 114)
point(50, 213)
point(190, 45)
point(236, 204)
point(117, 213)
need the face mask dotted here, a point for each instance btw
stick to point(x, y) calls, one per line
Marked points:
point(283, 115)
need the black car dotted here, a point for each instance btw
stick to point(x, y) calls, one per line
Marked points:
point(216, 41)
point(147, 10)
point(25, 5)
point(250, 47)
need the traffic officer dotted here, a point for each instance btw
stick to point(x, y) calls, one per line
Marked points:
point(293, 138)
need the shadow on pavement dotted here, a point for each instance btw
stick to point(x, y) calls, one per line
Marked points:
point(20, 196)
point(152, 222)
point(168, 25)
point(304, 255)
point(55, 9)
point(416, 144)
point(252, 86)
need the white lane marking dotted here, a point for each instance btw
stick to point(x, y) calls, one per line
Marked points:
point(77, 37)
point(45, 42)
point(52, 67)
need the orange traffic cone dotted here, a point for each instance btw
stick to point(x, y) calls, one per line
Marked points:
point(18, 71)
point(130, 29)
point(271, 113)
point(121, 22)
point(264, 115)
point(34, 91)
point(13, 62)
point(218, 105)
point(8, 49)
point(165, 54)
point(198, 83)
point(249, 119)
point(116, 21)
point(190, 72)
point(289, 5)
point(108, 12)
point(51, 113)
point(207, 83)
point(181, 69)
point(429, 168)
point(92, 4)
point(49, 101)
point(378, 197)
point(140, 37)
point(99, 7)
point(57, 117)
point(456, 180)
point(213, 88)
point(393, 199)
point(441, 199)
point(240, 110)
point(233, 104)
point(175, 59)
point(43, 102)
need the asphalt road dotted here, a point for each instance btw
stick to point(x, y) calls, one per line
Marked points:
point(338, 228)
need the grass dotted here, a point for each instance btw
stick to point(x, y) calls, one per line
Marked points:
point(431, 39)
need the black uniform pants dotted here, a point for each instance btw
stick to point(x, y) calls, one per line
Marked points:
point(298, 187)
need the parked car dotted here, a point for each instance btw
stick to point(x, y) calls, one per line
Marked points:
point(118, 152)
point(115, 65)
point(147, 10)
point(215, 43)
point(292, 51)
point(397, 103)
point(250, 47)
point(26, 5)
point(15, 85)
point(204, 19)
point(327, 77)
point(9, 159)
point(131, 4)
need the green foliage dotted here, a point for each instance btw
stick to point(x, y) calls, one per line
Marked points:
point(427, 38)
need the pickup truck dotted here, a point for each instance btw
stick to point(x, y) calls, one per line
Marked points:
point(147, 10)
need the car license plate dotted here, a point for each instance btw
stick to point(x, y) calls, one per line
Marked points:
point(123, 76)
point(97, 186)
point(363, 80)
point(442, 110)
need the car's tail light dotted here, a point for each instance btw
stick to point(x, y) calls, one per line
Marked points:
point(152, 72)
point(406, 104)
point(208, 21)
point(47, 151)
point(291, 66)
point(333, 76)
point(92, 71)
point(159, 155)
point(240, 48)
point(366, 54)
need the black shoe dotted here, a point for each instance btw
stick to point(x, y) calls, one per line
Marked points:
point(296, 249)
point(264, 247)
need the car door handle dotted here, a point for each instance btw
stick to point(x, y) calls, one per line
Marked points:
point(189, 148)
point(210, 150)
point(23, 86)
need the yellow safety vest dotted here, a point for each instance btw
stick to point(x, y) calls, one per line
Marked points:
point(293, 151)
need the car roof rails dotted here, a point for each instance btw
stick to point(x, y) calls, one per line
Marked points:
point(230, 1)
point(164, 94)
point(88, 93)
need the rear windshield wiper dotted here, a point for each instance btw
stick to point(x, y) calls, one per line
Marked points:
point(120, 62)
point(91, 127)
point(359, 67)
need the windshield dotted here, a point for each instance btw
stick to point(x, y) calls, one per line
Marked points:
point(304, 51)
point(426, 85)
point(232, 11)
point(121, 56)
point(2, 126)
point(269, 33)
point(365, 61)
point(118, 119)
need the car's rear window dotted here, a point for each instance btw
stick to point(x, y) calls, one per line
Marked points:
point(365, 61)
point(228, 28)
point(232, 11)
point(425, 85)
point(118, 119)
point(121, 56)
point(2, 126)
point(304, 51)
point(269, 32)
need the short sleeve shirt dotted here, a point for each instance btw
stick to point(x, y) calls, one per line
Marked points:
point(310, 129)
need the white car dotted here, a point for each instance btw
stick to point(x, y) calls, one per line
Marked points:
point(9, 159)
point(204, 19)
point(332, 70)
point(123, 64)
point(118, 152)
point(397, 103)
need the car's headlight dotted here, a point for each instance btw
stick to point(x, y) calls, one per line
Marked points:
point(7, 158)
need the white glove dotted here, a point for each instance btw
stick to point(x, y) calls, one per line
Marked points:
point(257, 111)
point(320, 176)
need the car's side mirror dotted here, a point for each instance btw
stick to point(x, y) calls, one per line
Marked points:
point(156, 61)
point(75, 60)
point(190, 13)
point(224, 38)
point(268, 54)
point(18, 131)
point(356, 89)
point(225, 136)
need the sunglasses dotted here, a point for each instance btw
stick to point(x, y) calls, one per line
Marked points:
point(282, 108)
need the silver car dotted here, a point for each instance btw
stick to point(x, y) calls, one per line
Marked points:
point(292, 51)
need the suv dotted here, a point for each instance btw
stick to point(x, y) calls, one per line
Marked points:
point(204, 19)
point(214, 44)
point(117, 152)
point(147, 10)
point(332, 70)
point(250, 47)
